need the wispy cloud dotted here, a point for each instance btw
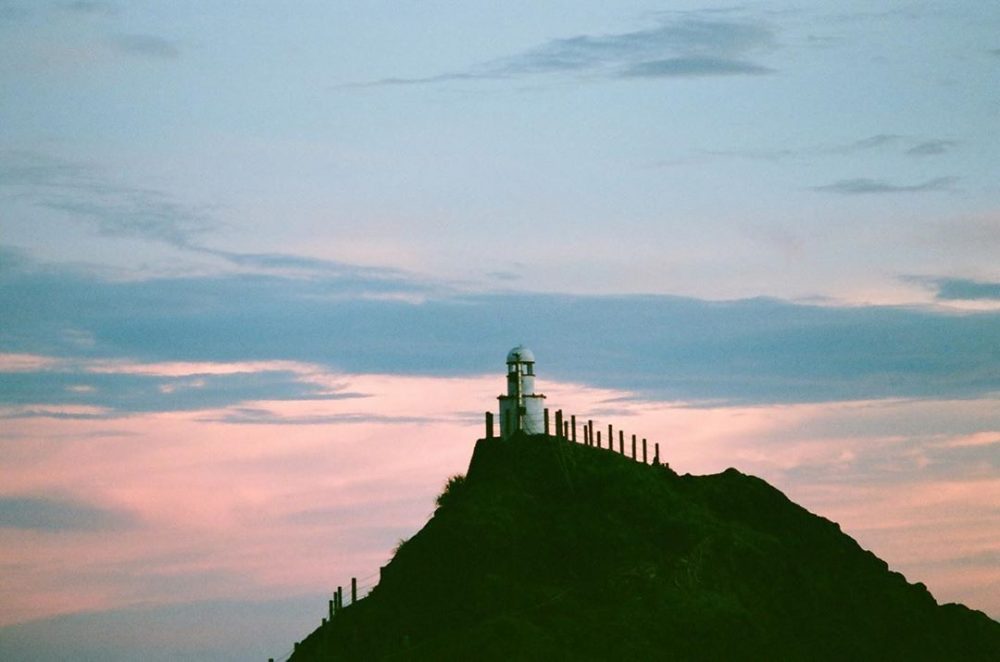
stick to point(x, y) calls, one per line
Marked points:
point(685, 47)
point(145, 45)
point(88, 389)
point(90, 7)
point(914, 146)
point(681, 67)
point(87, 192)
point(48, 514)
point(255, 416)
point(866, 186)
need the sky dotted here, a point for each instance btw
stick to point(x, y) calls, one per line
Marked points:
point(260, 267)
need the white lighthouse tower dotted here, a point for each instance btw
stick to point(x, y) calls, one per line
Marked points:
point(521, 409)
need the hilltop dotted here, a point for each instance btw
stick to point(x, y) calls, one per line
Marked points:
point(547, 550)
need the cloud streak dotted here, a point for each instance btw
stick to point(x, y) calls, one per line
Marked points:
point(145, 45)
point(686, 47)
point(866, 186)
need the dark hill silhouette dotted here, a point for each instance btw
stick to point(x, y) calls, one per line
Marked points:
point(553, 551)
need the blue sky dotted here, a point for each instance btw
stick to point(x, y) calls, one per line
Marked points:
point(768, 232)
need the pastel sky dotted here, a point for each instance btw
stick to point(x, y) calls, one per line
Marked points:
point(260, 266)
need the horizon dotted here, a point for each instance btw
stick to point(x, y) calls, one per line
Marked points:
point(260, 268)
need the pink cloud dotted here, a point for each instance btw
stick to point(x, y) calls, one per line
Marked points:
point(231, 505)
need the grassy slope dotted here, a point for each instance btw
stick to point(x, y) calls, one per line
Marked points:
point(550, 551)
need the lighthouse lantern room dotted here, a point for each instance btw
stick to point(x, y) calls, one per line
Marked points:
point(521, 409)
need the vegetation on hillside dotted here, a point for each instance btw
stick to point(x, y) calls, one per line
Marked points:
point(552, 551)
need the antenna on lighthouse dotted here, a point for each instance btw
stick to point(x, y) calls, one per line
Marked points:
point(521, 410)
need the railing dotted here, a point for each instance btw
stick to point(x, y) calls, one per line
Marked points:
point(564, 427)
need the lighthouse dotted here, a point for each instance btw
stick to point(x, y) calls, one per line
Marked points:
point(521, 409)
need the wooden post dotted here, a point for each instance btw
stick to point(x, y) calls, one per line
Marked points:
point(644, 451)
point(621, 442)
point(633, 447)
point(558, 422)
point(656, 455)
point(546, 421)
point(611, 438)
point(354, 590)
point(331, 610)
point(598, 438)
point(590, 424)
point(565, 429)
point(572, 420)
point(489, 425)
point(340, 598)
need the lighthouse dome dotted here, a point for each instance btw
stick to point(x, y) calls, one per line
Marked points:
point(520, 354)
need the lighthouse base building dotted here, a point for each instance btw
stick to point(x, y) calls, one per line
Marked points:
point(521, 410)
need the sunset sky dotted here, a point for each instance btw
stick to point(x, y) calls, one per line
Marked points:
point(260, 267)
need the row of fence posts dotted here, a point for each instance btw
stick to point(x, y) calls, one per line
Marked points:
point(335, 606)
point(566, 429)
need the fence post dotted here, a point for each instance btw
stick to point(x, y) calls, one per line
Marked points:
point(565, 429)
point(331, 610)
point(354, 590)
point(656, 455)
point(644, 451)
point(598, 438)
point(489, 425)
point(633, 447)
point(621, 442)
point(611, 438)
point(546, 421)
point(340, 598)
point(572, 419)
point(590, 424)
point(558, 422)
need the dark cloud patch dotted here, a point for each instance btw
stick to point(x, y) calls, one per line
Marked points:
point(689, 46)
point(145, 45)
point(47, 514)
point(752, 351)
point(931, 147)
point(866, 186)
point(959, 289)
point(692, 66)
